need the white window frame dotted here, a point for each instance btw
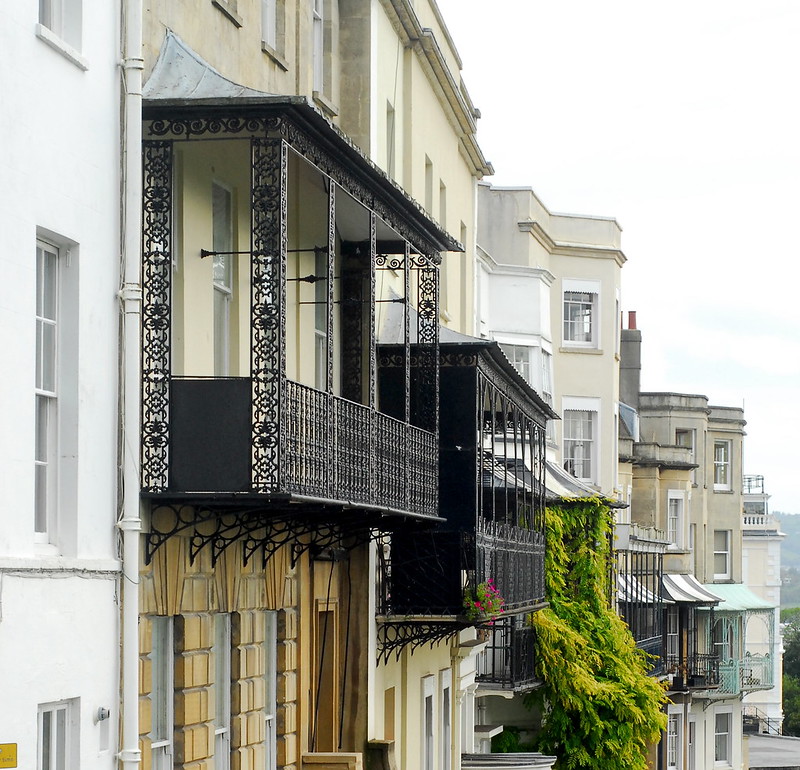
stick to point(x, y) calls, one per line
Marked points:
point(46, 452)
point(717, 551)
point(222, 277)
point(676, 517)
point(672, 631)
point(318, 44)
point(428, 717)
point(727, 737)
point(270, 648)
point(723, 465)
point(445, 718)
point(590, 408)
point(64, 19)
point(162, 690)
point(674, 749)
point(58, 737)
point(222, 690)
point(269, 23)
point(580, 307)
point(520, 358)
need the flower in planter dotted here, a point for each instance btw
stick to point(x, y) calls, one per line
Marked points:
point(484, 603)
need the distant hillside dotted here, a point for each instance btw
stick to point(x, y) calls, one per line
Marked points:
point(790, 548)
point(790, 559)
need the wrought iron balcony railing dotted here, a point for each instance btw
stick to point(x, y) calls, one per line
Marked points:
point(324, 448)
point(697, 671)
point(429, 573)
point(509, 660)
point(753, 672)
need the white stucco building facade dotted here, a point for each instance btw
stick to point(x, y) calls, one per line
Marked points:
point(59, 574)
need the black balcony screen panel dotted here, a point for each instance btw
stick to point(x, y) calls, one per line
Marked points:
point(210, 435)
point(509, 660)
point(427, 573)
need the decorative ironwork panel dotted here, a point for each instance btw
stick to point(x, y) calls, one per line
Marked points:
point(353, 426)
point(509, 660)
point(307, 440)
point(514, 558)
point(390, 456)
point(422, 468)
point(197, 125)
point(268, 308)
point(352, 310)
point(428, 337)
point(156, 290)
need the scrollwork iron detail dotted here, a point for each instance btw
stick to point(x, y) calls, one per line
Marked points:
point(156, 280)
point(268, 308)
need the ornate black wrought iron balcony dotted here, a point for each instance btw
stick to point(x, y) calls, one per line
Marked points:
point(271, 436)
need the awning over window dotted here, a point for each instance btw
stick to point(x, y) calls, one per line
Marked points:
point(687, 588)
point(631, 590)
point(735, 597)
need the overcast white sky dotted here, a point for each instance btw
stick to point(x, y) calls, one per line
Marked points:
point(682, 121)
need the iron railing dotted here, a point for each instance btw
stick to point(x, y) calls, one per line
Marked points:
point(429, 573)
point(698, 670)
point(328, 448)
point(753, 672)
point(509, 660)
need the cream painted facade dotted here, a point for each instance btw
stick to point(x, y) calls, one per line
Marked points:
point(371, 69)
point(537, 266)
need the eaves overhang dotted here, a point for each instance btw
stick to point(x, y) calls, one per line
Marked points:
point(184, 87)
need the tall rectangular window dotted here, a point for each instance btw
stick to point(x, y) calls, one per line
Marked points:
point(428, 752)
point(579, 443)
point(445, 726)
point(722, 554)
point(57, 743)
point(580, 318)
point(722, 465)
point(46, 440)
point(673, 742)
point(685, 437)
point(722, 737)
point(222, 225)
point(673, 650)
point(222, 690)
point(318, 44)
point(675, 518)
point(428, 185)
point(390, 139)
point(269, 23)
point(63, 18)
point(321, 320)
point(271, 689)
point(161, 692)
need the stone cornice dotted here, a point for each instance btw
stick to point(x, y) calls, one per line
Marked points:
point(501, 268)
point(566, 249)
point(452, 95)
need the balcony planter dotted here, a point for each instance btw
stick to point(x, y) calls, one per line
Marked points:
point(484, 604)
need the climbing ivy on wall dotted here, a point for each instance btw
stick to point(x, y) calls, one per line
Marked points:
point(600, 709)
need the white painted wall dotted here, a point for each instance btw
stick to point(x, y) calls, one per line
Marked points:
point(59, 162)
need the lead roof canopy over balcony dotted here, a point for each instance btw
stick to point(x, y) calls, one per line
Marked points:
point(302, 443)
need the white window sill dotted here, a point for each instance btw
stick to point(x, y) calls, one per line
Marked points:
point(567, 348)
point(65, 49)
point(723, 490)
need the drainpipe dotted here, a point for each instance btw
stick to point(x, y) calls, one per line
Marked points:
point(130, 296)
